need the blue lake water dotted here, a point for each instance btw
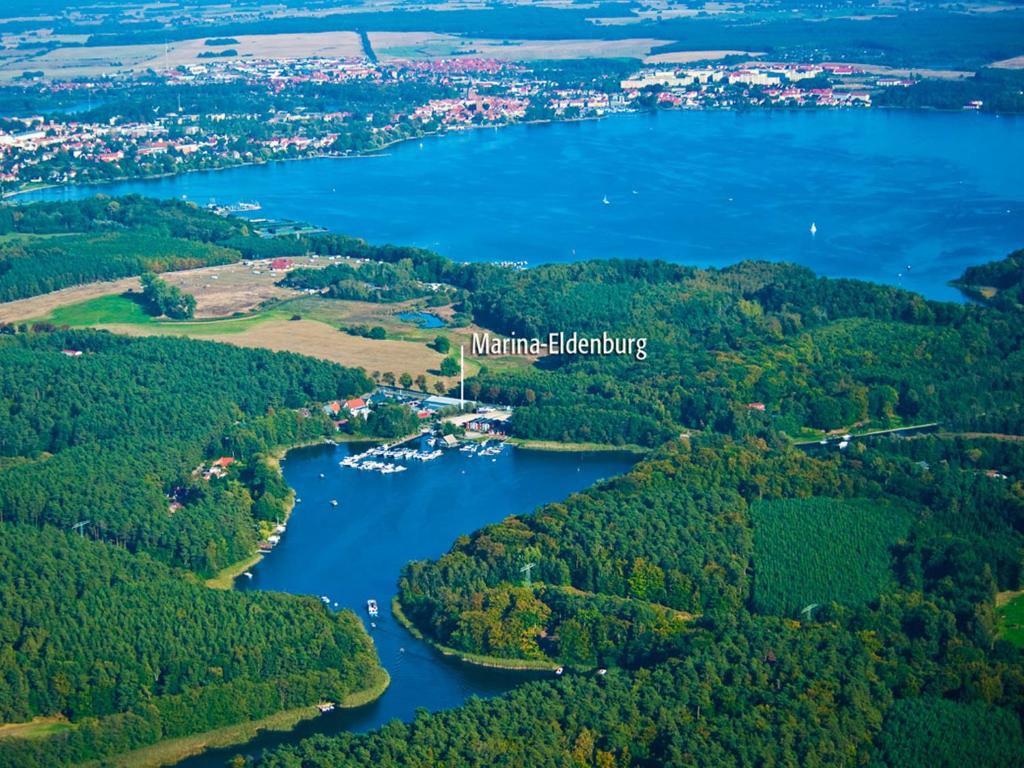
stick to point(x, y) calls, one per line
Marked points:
point(355, 551)
point(422, 319)
point(886, 190)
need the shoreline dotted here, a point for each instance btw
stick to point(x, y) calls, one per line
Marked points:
point(555, 446)
point(492, 662)
point(172, 751)
point(225, 578)
point(367, 153)
point(377, 151)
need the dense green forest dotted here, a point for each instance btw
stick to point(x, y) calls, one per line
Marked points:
point(819, 353)
point(113, 436)
point(816, 550)
point(132, 653)
point(109, 513)
point(47, 246)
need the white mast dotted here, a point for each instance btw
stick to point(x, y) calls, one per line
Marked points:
point(462, 377)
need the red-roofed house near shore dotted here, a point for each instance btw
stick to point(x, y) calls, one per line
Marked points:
point(280, 264)
point(224, 461)
point(357, 407)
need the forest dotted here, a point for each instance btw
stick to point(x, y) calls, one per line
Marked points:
point(159, 407)
point(733, 600)
point(131, 652)
point(108, 518)
point(906, 670)
point(818, 550)
point(48, 246)
point(811, 353)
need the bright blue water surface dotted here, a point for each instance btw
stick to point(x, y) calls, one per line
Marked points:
point(355, 551)
point(886, 189)
point(422, 319)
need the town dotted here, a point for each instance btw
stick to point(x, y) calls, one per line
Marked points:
point(284, 115)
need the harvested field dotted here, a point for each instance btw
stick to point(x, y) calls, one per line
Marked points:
point(391, 46)
point(686, 57)
point(306, 337)
point(220, 291)
point(71, 62)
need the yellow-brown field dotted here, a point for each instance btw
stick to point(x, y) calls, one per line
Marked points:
point(390, 46)
point(77, 61)
point(220, 291)
point(307, 337)
point(686, 57)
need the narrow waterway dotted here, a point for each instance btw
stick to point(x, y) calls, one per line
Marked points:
point(355, 551)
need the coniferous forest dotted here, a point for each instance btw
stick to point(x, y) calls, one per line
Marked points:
point(110, 519)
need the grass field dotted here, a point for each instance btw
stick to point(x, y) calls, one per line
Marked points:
point(1010, 617)
point(118, 308)
point(36, 728)
point(235, 305)
point(38, 307)
point(821, 550)
point(552, 445)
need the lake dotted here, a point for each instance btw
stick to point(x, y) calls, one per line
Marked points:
point(907, 198)
point(356, 550)
point(422, 319)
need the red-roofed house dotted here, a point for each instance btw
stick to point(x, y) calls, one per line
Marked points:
point(755, 406)
point(224, 461)
point(357, 407)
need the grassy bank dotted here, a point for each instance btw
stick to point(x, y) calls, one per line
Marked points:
point(1010, 617)
point(173, 751)
point(367, 695)
point(225, 578)
point(36, 728)
point(554, 445)
point(523, 665)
